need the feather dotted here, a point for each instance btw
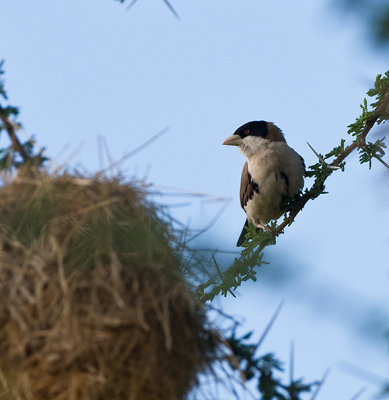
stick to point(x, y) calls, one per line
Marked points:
point(247, 187)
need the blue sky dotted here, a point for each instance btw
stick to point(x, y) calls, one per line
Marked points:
point(86, 69)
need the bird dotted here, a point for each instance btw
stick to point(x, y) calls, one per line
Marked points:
point(272, 176)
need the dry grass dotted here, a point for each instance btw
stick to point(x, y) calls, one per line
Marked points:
point(93, 302)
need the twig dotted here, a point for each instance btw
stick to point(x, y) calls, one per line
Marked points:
point(381, 110)
point(310, 194)
point(105, 148)
point(213, 221)
point(16, 145)
point(145, 144)
point(66, 161)
point(136, 150)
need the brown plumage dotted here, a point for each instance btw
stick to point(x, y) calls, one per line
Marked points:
point(272, 176)
point(247, 186)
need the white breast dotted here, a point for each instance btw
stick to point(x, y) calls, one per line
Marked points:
point(279, 172)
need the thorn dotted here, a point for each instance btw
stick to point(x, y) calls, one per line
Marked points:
point(171, 8)
point(131, 4)
point(358, 394)
point(167, 3)
point(362, 373)
point(321, 383)
point(270, 324)
point(333, 167)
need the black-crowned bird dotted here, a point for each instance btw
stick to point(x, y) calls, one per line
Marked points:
point(272, 175)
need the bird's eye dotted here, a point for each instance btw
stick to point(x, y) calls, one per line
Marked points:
point(247, 131)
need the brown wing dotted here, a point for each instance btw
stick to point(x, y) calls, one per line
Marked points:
point(247, 186)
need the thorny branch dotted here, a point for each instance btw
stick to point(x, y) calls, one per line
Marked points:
point(359, 142)
point(243, 268)
point(382, 110)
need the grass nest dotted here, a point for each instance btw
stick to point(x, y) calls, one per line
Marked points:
point(93, 300)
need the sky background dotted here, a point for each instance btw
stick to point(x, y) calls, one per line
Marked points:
point(87, 72)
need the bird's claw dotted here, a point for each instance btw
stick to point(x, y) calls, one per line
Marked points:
point(263, 227)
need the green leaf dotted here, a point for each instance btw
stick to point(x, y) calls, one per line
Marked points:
point(372, 150)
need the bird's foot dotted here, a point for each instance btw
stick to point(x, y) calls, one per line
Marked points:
point(268, 230)
point(263, 227)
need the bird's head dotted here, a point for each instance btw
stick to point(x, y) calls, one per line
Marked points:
point(251, 136)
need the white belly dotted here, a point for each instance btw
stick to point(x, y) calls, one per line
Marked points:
point(279, 172)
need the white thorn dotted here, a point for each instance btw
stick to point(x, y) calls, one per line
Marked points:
point(317, 154)
point(333, 167)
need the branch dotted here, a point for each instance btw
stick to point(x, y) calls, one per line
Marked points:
point(11, 155)
point(381, 111)
point(360, 141)
point(300, 205)
point(16, 145)
point(251, 257)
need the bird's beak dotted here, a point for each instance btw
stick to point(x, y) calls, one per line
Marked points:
point(233, 140)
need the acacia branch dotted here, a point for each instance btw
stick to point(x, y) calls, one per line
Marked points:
point(359, 142)
point(242, 269)
point(381, 110)
point(299, 206)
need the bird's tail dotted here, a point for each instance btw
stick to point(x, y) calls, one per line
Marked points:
point(242, 235)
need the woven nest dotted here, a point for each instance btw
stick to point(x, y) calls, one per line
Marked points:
point(93, 302)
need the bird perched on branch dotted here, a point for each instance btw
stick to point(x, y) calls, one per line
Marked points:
point(272, 175)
